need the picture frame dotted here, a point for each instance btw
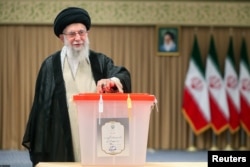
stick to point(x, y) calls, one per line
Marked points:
point(167, 40)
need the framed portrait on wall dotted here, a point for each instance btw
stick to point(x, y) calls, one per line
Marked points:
point(168, 40)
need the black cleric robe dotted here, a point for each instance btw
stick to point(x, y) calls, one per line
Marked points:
point(48, 133)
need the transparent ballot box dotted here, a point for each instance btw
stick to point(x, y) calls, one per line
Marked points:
point(113, 128)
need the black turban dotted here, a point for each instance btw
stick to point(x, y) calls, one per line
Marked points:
point(71, 15)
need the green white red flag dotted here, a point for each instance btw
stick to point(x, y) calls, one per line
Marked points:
point(217, 93)
point(232, 89)
point(195, 96)
point(244, 82)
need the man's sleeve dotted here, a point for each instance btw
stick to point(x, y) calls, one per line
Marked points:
point(35, 129)
point(119, 72)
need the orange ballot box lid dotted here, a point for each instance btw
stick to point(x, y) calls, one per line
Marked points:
point(114, 96)
point(113, 128)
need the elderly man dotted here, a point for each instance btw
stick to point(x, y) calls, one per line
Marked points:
point(52, 128)
point(168, 43)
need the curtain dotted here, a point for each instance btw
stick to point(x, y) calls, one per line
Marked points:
point(24, 47)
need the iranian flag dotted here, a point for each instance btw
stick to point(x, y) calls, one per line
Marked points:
point(244, 80)
point(232, 89)
point(217, 92)
point(195, 96)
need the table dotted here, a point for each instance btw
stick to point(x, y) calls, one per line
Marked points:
point(148, 164)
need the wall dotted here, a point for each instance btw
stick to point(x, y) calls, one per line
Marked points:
point(136, 12)
point(124, 30)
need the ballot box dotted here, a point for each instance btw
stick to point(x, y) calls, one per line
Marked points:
point(113, 128)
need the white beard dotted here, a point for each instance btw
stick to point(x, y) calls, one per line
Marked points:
point(76, 55)
point(79, 53)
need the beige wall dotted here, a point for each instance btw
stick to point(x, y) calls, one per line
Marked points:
point(125, 31)
point(135, 12)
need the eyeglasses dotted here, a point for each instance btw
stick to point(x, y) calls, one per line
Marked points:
point(73, 34)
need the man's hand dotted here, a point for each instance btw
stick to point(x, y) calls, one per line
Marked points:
point(108, 86)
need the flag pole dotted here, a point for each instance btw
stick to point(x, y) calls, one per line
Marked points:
point(214, 142)
point(228, 146)
point(191, 139)
point(242, 140)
